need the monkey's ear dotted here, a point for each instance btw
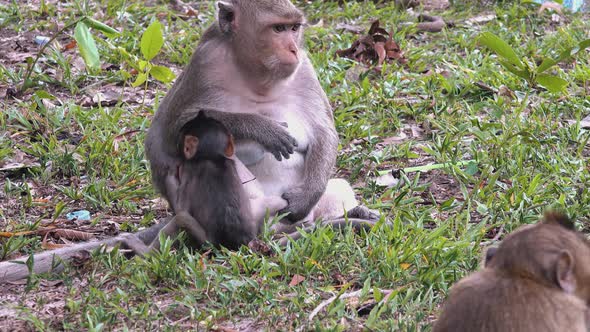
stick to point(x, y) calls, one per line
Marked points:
point(226, 16)
point(490, 252)
point(559, 218)
point(564, 270)
point(190, 146)
point(229, 149)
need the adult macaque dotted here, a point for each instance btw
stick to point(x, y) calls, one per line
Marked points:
point(250, 73)
point(537, 280)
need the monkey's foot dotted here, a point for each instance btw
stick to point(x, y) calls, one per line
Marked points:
point(288, 227)
point(132, 242)
point(363, 212)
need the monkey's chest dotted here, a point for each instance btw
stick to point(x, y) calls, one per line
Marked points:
point(276, 177)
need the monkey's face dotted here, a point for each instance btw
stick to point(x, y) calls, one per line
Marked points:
point(273, 47)
point(283, 41)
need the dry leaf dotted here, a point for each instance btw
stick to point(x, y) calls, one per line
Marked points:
point(51, 246)
point(70, 45)
point(386, 180)
point(260, 247)
point(297, 279)
point(480, 19)
point(374, 48)
point(71, 234)
point(381, 54)
point(80, 258)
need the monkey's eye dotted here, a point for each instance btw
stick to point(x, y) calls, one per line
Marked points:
point(296, 27)
point(279, 27)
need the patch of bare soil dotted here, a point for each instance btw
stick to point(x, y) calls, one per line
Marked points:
point(46, 303)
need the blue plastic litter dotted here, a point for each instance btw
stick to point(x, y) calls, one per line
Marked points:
point(79, 215)
point(42, 40)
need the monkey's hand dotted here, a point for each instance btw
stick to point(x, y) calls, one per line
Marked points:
point(300, 202)
point(276, 140)
point(272, 135)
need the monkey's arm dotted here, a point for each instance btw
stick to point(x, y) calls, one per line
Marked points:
point(52, 260)
point(319, 161)
point(267, 132)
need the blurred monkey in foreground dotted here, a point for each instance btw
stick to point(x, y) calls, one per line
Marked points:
point(537, 280)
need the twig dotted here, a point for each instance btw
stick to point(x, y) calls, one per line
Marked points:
point(345, 296)
point(495, 238)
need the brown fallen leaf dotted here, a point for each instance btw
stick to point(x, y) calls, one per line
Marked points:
point(80, 258)
point(297, 279)
point(381, 53)
point(260, 247)
point(71, 234)
point(70, 45)
point(374, 48)
point(51, 246)
point(11, 234)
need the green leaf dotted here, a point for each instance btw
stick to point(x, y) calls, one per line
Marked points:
point(551, 82)
point(564, 55)
point(162, 74)
point(42, 94)
point(523, 73)
point(471, 168)
point(501, 48)
point(546, 64)
point(581, 46)
point(152, 40)
point(141, 78)
point(87, 46)
point(94, 24)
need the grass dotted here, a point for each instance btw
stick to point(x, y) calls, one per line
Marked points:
point(79, 153)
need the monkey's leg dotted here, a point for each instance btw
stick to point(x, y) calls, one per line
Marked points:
point(336, 200)
point(170, 229)
point(172, 184)
point(320, 158)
